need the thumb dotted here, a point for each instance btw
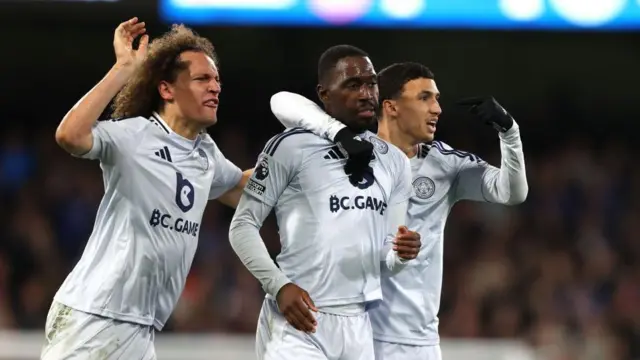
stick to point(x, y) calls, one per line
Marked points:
point(307, 300)
point(144, 43)
point(403, 229)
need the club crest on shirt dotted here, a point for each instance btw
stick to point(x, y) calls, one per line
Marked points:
point(203, 159)
point(424, 187)
point(380, 146)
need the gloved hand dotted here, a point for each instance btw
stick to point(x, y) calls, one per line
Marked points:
point(359, 153)
point(489, 111)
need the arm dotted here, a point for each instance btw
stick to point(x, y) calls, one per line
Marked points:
point(269, 180)
point(507, 185)
point(294, 110)
point(231, 198)
point(396, 216)
point(74, 134)
point(244, 235)
point(228, 180)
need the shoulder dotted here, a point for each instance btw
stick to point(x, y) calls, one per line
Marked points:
point(290, 140)
point(124, 125)
point(445, 153)
point(445, 149)
point(385, 149)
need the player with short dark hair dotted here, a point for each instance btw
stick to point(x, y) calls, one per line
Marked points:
point(160, 168)
point(405, 323)
point(335, 232)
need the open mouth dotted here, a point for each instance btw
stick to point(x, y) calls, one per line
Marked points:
point(211, 104)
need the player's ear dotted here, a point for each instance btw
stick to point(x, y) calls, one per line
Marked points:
point(389, 107)
point(322, 93)
point(165, 90)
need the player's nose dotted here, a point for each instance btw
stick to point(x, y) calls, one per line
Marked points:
point(214, 86)
point(436, 109)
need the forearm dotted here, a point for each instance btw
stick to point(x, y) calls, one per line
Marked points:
point(232, 197)
point(511, 179)
point(294, 110)
point(244, 235)
point(74, 131)
point(396, 217)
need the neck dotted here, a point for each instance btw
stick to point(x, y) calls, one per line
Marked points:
point(388, 130)
point(180, 125)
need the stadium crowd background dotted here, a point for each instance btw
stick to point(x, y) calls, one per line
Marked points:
point(561, 271)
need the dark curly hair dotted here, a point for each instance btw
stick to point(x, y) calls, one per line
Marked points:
point(140, 96)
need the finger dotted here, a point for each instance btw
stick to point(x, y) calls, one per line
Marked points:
point(306, 312)
point(137, 34)
point(131, 21)
point(299, 312)
point(291, 319)
point(403, 229)
point(411, 242)
point(137, 30)
point(411, 236)
point(309, 320)
point(144, 43)
point(470, 101)
point(407, 249)
point(126, 26)
point(307, 300)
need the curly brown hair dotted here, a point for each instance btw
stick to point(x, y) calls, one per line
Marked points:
point(140, 97)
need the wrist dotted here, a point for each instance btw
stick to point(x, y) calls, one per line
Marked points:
point(514, 131)
point(344, 134)
point(122, 71)
point(338, 131)
point(277, 285)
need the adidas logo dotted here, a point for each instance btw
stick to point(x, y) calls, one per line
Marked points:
point(164, 154)
point(334, 153)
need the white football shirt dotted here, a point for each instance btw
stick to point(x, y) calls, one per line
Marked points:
point(332, 232)
point(441, 176)
point(145, 235)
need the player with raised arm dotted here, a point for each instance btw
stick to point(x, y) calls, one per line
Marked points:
point(405, 323)
point(160, 168)
point(334, 232)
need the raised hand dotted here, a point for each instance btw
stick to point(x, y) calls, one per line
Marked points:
point(488, 110)
point(125, 34)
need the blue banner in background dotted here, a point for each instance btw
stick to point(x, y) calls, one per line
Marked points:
point(453, 14)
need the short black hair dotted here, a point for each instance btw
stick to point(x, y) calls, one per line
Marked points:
point(391, 79)
point(333, 55)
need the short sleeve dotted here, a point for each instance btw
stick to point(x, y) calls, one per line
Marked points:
point(226, 175)
point(276, 166)
point(111, 138)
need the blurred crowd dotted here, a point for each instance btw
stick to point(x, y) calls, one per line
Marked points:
point(561, 271)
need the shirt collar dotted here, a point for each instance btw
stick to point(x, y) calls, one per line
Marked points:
point(188, 143)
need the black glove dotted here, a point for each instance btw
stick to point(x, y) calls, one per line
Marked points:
point(489, 111)
point(359, 154)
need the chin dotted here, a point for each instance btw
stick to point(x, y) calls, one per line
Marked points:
point(208, 121)
point(428, 137)
point(364, 123)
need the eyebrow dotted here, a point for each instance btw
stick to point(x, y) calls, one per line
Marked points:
point(429, 92)
point(361, 78)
